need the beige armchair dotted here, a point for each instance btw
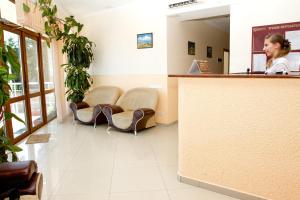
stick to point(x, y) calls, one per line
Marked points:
point(134, 110)
point(90, 110)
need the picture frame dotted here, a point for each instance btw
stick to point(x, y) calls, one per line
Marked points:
point(191, 48)
point(145, 40)
point(209, 52)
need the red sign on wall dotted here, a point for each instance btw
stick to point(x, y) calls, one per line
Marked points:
point(290, 31)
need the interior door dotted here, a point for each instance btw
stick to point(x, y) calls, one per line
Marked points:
point(226, 61)
point(32, 92)
point(33, 83)
point(18, 101)
point(48, 72)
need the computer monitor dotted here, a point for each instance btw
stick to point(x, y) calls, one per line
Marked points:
point(198, 67)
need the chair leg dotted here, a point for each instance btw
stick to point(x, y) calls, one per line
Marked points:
point(95, 123)
point(107, 130)
point(135, 132)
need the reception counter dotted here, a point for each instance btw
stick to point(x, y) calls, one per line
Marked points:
point(240, 134)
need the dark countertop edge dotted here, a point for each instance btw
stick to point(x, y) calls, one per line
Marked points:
point(233, 76)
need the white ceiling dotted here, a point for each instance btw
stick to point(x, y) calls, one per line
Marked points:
point(81, 8)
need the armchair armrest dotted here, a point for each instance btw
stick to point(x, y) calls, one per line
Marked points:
point(15, 173)
point(112, 109)
point(142, 112)
point(109, 110)
point(79, 105)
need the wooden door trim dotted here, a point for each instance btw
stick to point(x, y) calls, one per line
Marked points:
point(42, 80)
point(26, 97)
point(49, 91)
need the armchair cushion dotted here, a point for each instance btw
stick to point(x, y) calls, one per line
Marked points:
point(85, 114)
point(102, 95)
point(134, 110)
point(90, 110)
point(123, 120)
point(138, 98)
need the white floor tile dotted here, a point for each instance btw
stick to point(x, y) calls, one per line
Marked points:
point(46, 197)
point(130, 179)
point(82, 197)
point(82, 163)
point(132, 151)
point(149, 195)
point(85, 181)
point(169, 174)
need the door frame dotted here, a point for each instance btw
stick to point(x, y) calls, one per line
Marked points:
point(226, 50)
point(23, 33)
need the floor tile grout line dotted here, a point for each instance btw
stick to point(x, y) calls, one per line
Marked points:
point(114, 163)
point(139, 191)
point(160, 171)
point(59, 182)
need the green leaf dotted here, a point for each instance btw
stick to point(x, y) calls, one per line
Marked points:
point(54, 10)
point(48, 43)
point(14, 157)
point(80, 28)
point(3, 70)
point(8, 116)
point(26, 8)
point(14, 148)
point(10, 77)
point(13, 59)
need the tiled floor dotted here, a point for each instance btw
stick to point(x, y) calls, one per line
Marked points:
point(83, 163)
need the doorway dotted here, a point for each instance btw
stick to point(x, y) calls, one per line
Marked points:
point(226, 61)
point(32, 96)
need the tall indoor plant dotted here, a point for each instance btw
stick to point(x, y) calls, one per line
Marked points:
point(77, 47)
point(9, 70)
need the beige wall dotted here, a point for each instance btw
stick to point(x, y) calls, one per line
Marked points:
point(159, 82)
point(62, 106)
point(172, 99)
point(241, 134)
point(180, 32)
point(118, 61)
point(114, 32)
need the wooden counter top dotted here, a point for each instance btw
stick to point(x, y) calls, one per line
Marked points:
point(294, 75)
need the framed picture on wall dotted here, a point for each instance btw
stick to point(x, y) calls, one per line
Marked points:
point(209, 52)
point(144, 40)
point(191, 48)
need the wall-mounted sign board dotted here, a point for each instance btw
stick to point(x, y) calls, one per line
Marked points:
point(290, 31)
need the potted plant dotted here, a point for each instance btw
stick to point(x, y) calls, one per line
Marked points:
point(78, 48)
point(8, 60)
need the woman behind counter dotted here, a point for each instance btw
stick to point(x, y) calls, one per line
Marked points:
point(276, 48)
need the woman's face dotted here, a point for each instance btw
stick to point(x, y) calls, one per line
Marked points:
point(270, 49)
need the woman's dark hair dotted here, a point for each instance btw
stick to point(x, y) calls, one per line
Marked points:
point(284, 43)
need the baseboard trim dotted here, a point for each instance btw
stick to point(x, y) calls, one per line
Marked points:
point(219, 189)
